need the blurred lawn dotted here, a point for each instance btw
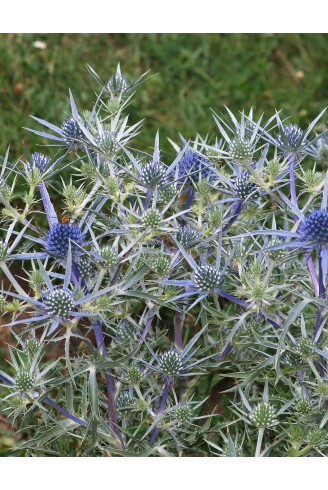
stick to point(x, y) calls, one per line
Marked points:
point(196, 71)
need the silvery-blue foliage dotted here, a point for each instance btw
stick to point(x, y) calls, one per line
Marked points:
point(138, 286)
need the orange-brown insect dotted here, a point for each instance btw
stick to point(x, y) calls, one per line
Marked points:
point(65, 219)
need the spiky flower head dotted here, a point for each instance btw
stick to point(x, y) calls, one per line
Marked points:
point(263, 415)
point(36, 279)
point(184, 413)
point(39, 161)
point(170, 364)
point(72, 132)
point(3, 250)
point(207, 278)
point(31, 346)
point(304, 348)
point(304, 407)
point(153, 175)
point(195, 167)
point(85, 266)
point(109, 257)
point(290, 139)
point(314, 227)
point(117, 84)
point(126, 332)
point(245, 188)
point(187, 236)
point(152, 218)
point(24, 381)
point(168, 192)
point(275, 254)
point(254, 328)
point(60, 235)
point(161, 264)
point(134, 375)
point(322, 388)
point(317, 438)
point(107, 143)
point(125, 402)
point(18, 401)
point(59, 302)
point(241, 149)
point(113, 105)
point(215, 217)
point(289, 359)
point(238, 450)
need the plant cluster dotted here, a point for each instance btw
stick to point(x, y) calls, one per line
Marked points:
point(166, 305)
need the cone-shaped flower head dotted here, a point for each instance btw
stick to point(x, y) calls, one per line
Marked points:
point(187, 236)
point(71, 131)
point(314, 227)
point(170, 364)
point(263, 415)
point(207, 278)
point(59, 237)
point(291, 138)
point(244, 187)
point(39, 161)
point(153, 175)
point(59, 303)
point(195, 166)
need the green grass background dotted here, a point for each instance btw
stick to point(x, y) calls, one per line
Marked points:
point(196, 72)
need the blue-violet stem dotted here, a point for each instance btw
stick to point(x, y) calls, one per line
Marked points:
point(167, 385)
point(293, 196)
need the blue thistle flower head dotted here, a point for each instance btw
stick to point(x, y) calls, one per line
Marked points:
point(314, 227)
point(117, 84)
point(153, 174)
point(39, 161)
point(170, 364)
point(59, 237)
point(59, 303)
point(188, 236)
point(72, 132)
point(207, 278)
point(244, 187)
point(195, 167)
point(291, 139)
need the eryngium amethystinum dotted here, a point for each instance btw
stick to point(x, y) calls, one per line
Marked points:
point(195, 167)
point(59, 303)
point(290, 138)
point(170, 364)
point(314, 227)
point(207, 278)
point(60, 236)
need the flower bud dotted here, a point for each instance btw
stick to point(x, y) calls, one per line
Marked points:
point(152, 218)
point(170, 364)
point(134, 375)
point(207, 278)
point(184, 413)
point(317, 438)
point(59, 303)
point(263, 415)
point(24, 381)
point(241, 149)
point(31, 346)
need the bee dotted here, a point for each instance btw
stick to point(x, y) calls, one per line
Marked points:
point(65, 219)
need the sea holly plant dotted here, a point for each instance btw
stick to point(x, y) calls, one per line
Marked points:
point(165, 304)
